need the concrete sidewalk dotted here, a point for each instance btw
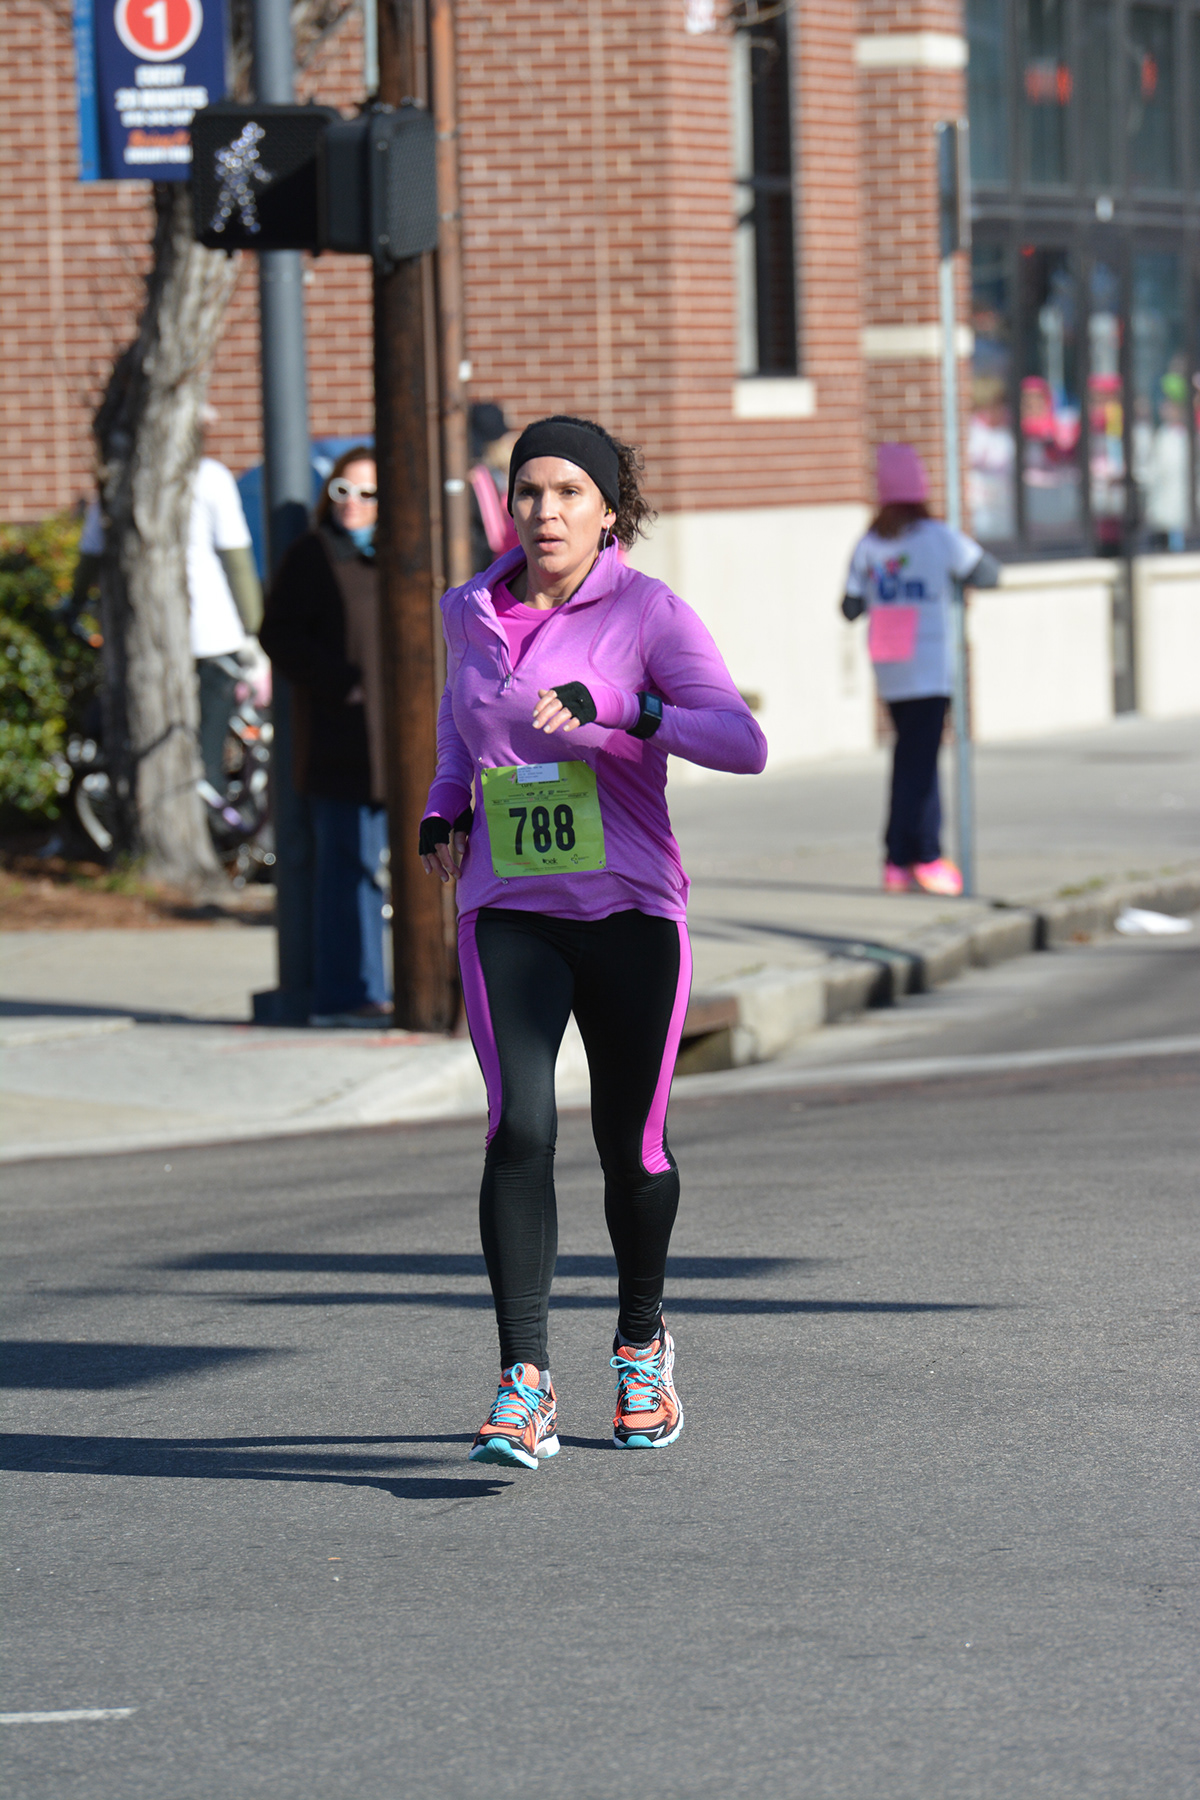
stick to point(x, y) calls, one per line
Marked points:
point(115, 1039)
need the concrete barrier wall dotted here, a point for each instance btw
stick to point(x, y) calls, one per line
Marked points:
point(1041, 650)
point(767, 582)
point(1166, 629)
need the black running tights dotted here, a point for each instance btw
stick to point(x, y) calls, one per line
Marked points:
point(626, 979)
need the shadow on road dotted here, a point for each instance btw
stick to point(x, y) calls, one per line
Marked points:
point(53, 1364)
point(247, 1459)
point(328, 1262)
point(676, 1303)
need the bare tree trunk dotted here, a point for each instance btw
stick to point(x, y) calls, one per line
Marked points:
point(147, 434)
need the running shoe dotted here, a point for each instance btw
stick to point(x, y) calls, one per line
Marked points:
point(649, 1415)
point(522, 1426)
point(940, 877)
point(897, 880)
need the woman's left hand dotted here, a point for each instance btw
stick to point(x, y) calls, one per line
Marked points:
point(570, 709)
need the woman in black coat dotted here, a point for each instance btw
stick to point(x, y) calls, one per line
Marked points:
point(321, 630)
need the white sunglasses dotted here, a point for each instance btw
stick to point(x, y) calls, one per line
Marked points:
point(340, 489)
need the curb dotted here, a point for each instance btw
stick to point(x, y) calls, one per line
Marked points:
point(733, 1024)
point(754, 1019)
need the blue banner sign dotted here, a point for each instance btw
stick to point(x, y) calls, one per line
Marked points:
point(143, 68)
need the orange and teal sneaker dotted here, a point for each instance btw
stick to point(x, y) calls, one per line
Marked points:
point(522, 1427)
point(649, 1415)
point(940, 877)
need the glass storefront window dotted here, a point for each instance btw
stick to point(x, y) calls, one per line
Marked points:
point(1050, 409)
point(1106, 407)
point(1160, 432)
point(1150, 94)
point(991, 443)
point(1096, 93)
point(987, 79)
point(1046, 86)
point(1084, 431)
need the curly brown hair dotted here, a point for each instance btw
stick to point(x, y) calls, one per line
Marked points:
point(634, 512)
point(897, 517)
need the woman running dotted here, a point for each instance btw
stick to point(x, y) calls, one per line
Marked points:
point(902, 574)
point(572, 897)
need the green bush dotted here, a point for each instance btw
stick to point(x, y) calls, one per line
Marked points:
point(48, 670)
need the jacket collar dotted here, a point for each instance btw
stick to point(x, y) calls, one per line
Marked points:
point(600, 581)
point(341, 546)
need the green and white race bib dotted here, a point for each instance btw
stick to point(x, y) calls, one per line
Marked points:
point(543, 819)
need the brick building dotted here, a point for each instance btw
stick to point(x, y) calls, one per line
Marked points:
point(722, 242)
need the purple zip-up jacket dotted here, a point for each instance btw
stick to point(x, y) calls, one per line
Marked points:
point(621, 634)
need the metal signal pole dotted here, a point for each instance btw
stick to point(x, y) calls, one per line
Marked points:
point(954, 230)
point(287, 493)
point(409, 553)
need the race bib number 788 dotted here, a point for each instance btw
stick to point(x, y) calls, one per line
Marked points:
point(543, 819)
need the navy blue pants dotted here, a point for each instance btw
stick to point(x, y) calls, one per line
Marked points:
point(348, 966)
point(914, 827)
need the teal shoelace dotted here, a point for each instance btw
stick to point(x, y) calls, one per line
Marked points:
point(517, 1402)
point(637, 1381)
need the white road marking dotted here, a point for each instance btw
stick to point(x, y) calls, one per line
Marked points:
point(925, 1068)
point(70, 1717)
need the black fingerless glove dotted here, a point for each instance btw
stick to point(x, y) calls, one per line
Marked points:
point(578, 702)
point(853, 606)
point(435, 830)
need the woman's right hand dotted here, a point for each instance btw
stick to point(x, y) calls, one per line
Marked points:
point(441, 847)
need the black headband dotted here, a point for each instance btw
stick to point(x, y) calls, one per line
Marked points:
point(595, 455)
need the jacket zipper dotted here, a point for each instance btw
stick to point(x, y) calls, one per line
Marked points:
point(506, 668)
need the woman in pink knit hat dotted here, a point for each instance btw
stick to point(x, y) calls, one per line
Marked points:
point(901, 575)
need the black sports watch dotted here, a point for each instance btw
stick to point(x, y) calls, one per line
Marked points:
point(649, 718)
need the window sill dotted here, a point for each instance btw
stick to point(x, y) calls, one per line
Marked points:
point(774, 397)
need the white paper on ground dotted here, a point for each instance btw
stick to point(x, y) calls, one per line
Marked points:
point(1135, 922)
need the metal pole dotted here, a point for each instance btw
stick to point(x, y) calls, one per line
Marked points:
point(408, 453)
point(964, 780)
point(370, 12)
point(287, 488)
point(451, 337)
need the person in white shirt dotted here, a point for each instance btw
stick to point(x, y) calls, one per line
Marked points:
point(902, 575)
point(224, 599)
point(224, 595)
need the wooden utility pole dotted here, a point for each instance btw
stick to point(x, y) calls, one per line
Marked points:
point(408, 449)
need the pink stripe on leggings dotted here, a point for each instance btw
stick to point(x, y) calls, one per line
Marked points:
point(654, 1150)
point(479, 1020)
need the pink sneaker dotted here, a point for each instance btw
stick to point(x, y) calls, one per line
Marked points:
point(896, 880)
point(940, 877)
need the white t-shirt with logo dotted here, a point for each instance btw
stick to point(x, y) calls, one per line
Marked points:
point(217, 523)
point(915, 569)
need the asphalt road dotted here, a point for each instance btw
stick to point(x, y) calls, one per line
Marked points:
point(930, 1529)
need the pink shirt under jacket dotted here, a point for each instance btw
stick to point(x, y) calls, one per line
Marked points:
point(621, 634)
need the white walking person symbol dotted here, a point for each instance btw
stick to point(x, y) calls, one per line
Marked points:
point(238, 166)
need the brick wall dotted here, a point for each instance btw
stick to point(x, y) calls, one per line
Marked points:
point(70, 273)
point(596, 166)
point(898, 110)
point(598, 211)
point(71, 281)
